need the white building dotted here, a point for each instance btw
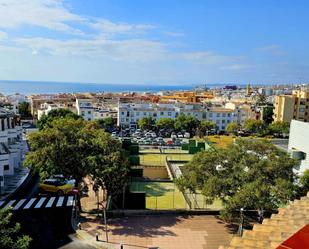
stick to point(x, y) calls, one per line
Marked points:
point(299, 143)
point(130, 113)
point(88, 111)
point(46, 108)
point(11, 145)
point(221, 116)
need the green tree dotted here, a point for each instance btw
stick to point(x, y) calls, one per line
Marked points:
point(268, 112)
point(188, 123)
point(24, 110)
point(253, 175)
point(232, 128)
point(78, 148)
point(46, 120)
point(304, 180)
point(261, 99)
point(254, 126)
point(146, 123)
point(279, 128)
point(10, 232)
point(165, 123)
point(107, 123)
point(206, 126)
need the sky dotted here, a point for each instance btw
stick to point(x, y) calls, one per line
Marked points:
point(155, 41)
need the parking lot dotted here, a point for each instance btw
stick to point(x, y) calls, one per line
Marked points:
point(149, 137)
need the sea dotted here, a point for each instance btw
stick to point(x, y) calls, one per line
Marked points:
point(36, 87)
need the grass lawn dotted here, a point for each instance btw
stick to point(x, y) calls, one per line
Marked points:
point(221, 141)
point(159, 159)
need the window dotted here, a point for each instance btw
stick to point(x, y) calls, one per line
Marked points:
point(137, 113)
point(210, 114)
point(89, 119)
point(223, 121)
point(89, 112)
point(145, 114)
point(122, 113)
point(218, 114)
point(6, 167)
point(154, 114)
point(83, 113)
point(229, 114)
point(223, 114)
point(169, 114)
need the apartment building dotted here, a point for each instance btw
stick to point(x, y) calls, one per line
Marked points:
point(295, 106)
point(299, 143)
point(130, 113)
point(46, 108)
point(11, 145)
point(90, 111)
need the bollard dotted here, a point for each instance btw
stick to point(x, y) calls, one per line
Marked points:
point(96, 236)
point(79, 225)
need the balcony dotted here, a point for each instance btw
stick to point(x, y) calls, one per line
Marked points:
point(3, 136)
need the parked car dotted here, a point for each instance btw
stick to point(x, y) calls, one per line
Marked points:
point(57, 186)
point(186, 135)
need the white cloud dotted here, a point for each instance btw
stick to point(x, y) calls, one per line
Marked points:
point(209, 57)
point(274, 50)
point(237, 67)
point(106, 26)
point(174, 34)
point(3, 35)
point(128, 50)
point(50, 14)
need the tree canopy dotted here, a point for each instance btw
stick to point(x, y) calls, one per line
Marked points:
point(232, 128)
point(165, 123)
point(279, 128)
point(78, 148)
point(254, 126)
point(146, 123)
point(254, 175)
point(46, 120)
point(24, 110)
point(188, 123)
point(10, 232)
point(206, 126)
point(107, 123)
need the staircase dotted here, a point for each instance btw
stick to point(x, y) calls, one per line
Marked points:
point(272, 232)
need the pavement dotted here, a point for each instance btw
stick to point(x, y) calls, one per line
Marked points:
point(158, 231)
point(170, 231)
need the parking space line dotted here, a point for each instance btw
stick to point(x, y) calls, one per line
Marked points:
point(39, 204)
point(70, 201)
point(18, 205)
point(60, 201)
point(1, 203)
point(50, 202)
point(29, 203)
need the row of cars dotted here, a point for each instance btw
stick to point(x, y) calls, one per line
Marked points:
point(139, 133)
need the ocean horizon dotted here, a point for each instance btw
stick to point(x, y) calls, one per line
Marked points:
point(40, 87)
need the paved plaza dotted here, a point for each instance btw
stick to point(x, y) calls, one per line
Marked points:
point(165, 232)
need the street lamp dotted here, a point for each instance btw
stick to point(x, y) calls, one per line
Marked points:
point(241, 223)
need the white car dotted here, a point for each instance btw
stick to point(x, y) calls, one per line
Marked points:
point(187, 135)
point(180, 135)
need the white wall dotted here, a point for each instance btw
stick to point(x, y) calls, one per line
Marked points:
point(299, 142)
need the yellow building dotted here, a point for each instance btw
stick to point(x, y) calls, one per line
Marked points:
point(295, 106)
point(188, 97)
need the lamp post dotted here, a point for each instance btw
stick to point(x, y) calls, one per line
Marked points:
point(241, 223)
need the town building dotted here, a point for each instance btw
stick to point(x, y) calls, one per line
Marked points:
point(295, 106)
point(299, 143)
point(11, 145)
point(130, 113)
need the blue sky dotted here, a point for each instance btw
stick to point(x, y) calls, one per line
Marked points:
point(155, 41)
